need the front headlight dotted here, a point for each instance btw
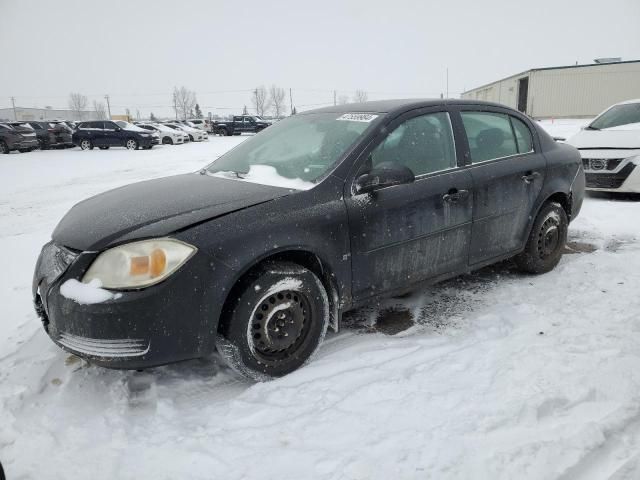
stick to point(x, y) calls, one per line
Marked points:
point(139, 264)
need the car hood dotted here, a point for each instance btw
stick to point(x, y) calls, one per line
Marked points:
point(606, 139)
point(156, 208)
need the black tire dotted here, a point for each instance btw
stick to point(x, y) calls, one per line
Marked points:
point(43, 145)
point(4, 148)
point(546, 241)
point(103, 148)
point(257, 343)
point(191, 138)
point(85, 144)
point(167, 141)
point(131, 144)
point(223, 132)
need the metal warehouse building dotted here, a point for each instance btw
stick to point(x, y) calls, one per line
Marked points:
point(38, 114)
point(574, 91)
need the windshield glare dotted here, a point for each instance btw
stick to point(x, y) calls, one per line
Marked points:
point(617, 116)
point(301, 148)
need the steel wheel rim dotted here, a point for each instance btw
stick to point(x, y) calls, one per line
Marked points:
point(548, 238)
point(280, 325)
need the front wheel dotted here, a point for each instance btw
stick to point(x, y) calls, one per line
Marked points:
point(131, 144)
point(546, 241)
point(167, 141)
point(85, 144)
point(4, 148)
point(275, 324)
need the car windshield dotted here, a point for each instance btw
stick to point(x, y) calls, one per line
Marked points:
point(296, 152)
point(618, 115)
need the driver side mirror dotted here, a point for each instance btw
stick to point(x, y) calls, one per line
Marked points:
point(386, 174)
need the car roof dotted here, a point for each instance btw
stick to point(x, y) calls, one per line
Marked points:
point(398, 105)
point(627, 102)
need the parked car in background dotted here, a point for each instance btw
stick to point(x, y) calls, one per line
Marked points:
point(30, 139)
point(50, 134)
point(260, 252)
point(176, 127)
point(200, 123)
point(105, 134)
point(168, 136)
point(610, 149)
point(11, 139)
point(195, 135)
point(240, 124)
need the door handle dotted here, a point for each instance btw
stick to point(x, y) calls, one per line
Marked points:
point(530, 177)
point(454, 195)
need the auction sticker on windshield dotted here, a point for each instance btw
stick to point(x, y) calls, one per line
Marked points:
point(358, 117)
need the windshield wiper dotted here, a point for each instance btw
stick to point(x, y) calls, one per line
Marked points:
point(589, 127)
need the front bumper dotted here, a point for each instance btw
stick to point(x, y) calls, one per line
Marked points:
point(161, 324)
point(610, 172)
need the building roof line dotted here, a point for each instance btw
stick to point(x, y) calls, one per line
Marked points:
point(549, 68)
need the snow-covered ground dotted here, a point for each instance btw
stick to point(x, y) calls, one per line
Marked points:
point(495, 375)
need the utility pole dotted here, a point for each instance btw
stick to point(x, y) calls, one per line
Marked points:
point(106, 97)
point(291, 100)
point(334, 98)
point(13, 102)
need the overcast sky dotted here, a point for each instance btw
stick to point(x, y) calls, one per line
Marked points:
point(137, 51)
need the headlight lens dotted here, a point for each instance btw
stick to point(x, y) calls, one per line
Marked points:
point(139, 264)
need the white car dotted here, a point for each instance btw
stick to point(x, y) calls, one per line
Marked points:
point(199, 123)
point(176, 128)
point(168, 136)
point(610, 149)
point(135, 128)
point(194, 134)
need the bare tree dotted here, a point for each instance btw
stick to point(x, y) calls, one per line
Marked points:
point(260, 100)
point(184, 101)
point(277, 95)
point(100, 109)
point(343, 100)
point(77, 104)
point(360, 96)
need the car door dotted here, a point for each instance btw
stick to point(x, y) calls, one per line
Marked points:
point(407, 233)
point(96, 133)
point(508, 174)
point(113, 134)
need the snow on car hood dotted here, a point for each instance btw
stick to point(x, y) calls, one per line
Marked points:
point(624, 137)
point(156, 208)
point(267, 175)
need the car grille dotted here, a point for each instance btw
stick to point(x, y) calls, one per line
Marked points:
point(599, 164)
point(104, 348)
point(609, 180)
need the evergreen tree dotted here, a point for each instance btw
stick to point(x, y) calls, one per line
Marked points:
point(152, 117)
point(198, 111)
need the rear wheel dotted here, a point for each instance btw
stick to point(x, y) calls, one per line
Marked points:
point(276, 323)
point(86, 144)
point(546, 241)
point(131, 144)
point(3, 147)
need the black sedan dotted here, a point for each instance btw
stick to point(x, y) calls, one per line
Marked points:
point(263, 250)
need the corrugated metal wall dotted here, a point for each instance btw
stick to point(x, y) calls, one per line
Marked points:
point(571, 92)
point(581, 92)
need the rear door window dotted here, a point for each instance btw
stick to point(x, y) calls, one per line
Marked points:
point(490, 135)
